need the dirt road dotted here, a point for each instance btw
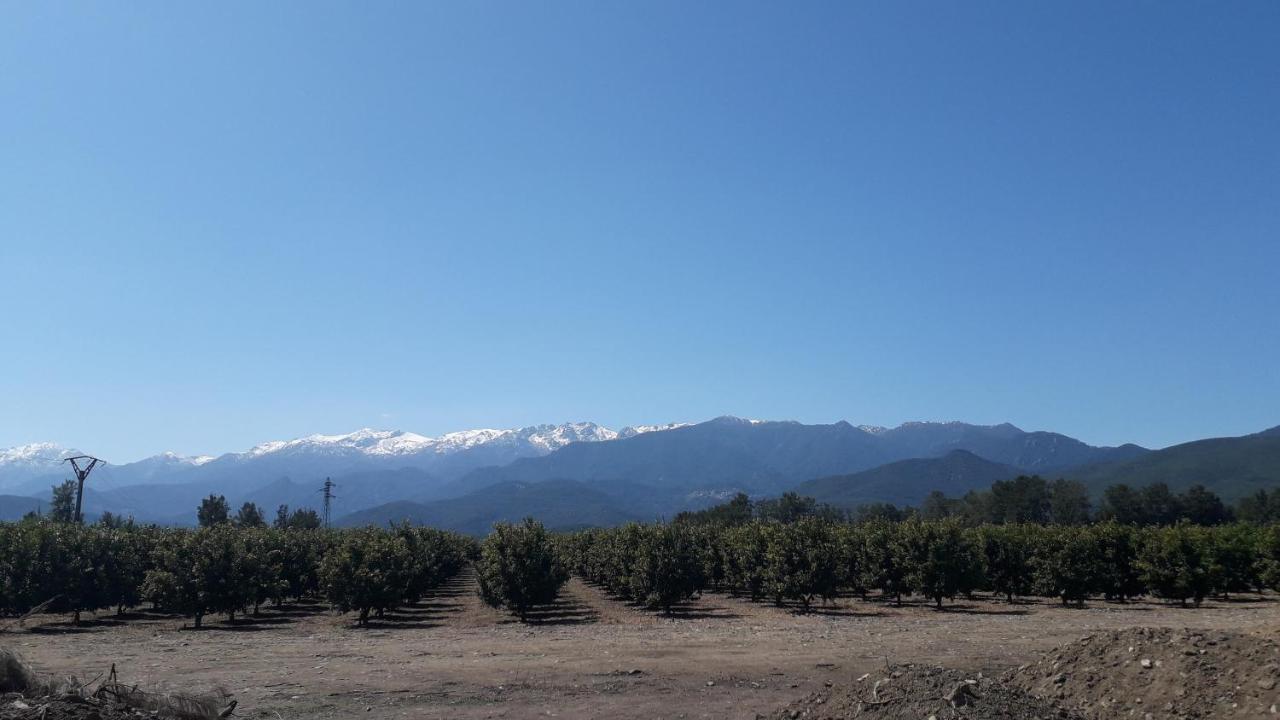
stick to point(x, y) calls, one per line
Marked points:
point(590, 656)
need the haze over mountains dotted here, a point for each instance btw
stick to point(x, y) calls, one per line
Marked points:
point(583, 473)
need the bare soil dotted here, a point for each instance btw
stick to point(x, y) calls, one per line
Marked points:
point(593, 656)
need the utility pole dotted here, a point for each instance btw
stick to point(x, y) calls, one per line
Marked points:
point(81, 475)
point(329, 485)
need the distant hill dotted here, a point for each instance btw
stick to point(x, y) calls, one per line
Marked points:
point(764, 458)
point(559, 504)
point(725, 453)
point(650, 471)
point(1038, 452)
point(908, 482)
point(13, 507)
point(1231, 467)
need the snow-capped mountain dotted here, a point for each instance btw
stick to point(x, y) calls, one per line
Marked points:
point(32, 468)
point(633, 430)
point(24, 462)
point(400, 444)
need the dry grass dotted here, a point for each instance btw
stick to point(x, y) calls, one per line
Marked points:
point(16, 676)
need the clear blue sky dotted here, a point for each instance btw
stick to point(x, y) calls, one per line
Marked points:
point(234, 222)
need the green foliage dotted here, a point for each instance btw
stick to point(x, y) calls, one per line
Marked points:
point(203, 572)
point(63, 506)
point(802, 562)
point(735, 512)
point(881, 560)
point(746, 550)
point(1066, 563)
point(1234, 552)
point(1261, 508)
point(1006, 553)
point(1117, 575)
point(519, 567)
point(666, 566)
point(1069, 503)
point(250, 516)
point(938, 559)
point(1176, 563)
point(368, 570)
point(304, 519)
point(792, 507)
point(213, 510)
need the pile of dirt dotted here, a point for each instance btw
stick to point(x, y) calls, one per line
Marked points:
point(915, 692)
point(1159, 673)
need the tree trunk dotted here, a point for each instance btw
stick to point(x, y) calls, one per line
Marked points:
point(937, 599)
point(364, 617)
point(231, 616)
point(77, 617)
point(199, 618)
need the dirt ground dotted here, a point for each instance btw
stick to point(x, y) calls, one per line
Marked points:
point(590, 656)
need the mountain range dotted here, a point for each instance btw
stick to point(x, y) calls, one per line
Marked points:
point(583, 473)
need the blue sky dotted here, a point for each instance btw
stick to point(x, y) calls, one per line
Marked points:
point(245, 221)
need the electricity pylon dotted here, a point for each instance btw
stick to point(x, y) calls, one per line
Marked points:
point(81, 475)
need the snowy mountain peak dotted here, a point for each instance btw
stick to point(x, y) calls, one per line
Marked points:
point(390, 443)
point(364, 440)
point(173, 458)
point(36, 454)
point(633, 430)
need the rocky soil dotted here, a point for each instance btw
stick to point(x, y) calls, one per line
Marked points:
point(911, 692)
point(1160, 673)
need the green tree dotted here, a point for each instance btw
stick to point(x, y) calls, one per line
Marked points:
point(802, 562)
point(1175, 563)
point(1234, 552)
point(1066, 563)
point(882, 560)
point(201, 572)
point(304, 519)
point(1118, 575)
point(880, 511)
point(735, 512)
point(1159, 505)
point(746, 550)
point(938, 559)
point(63, 507)
point(937, 506)
point(213, 510)
point(518, 567)
point(1006, 552)
point(1021, 500)
point(367, 571)
point(1122, 504)
point(1261, 508)
point(1068, 502)
point(1200, 506)
point(250, 516)
point(792, 507)
point(667, 568)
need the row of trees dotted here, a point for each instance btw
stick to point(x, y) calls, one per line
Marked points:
point(813, 558)
point(220, 569)
point(1026, 499)
point(214, 510)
